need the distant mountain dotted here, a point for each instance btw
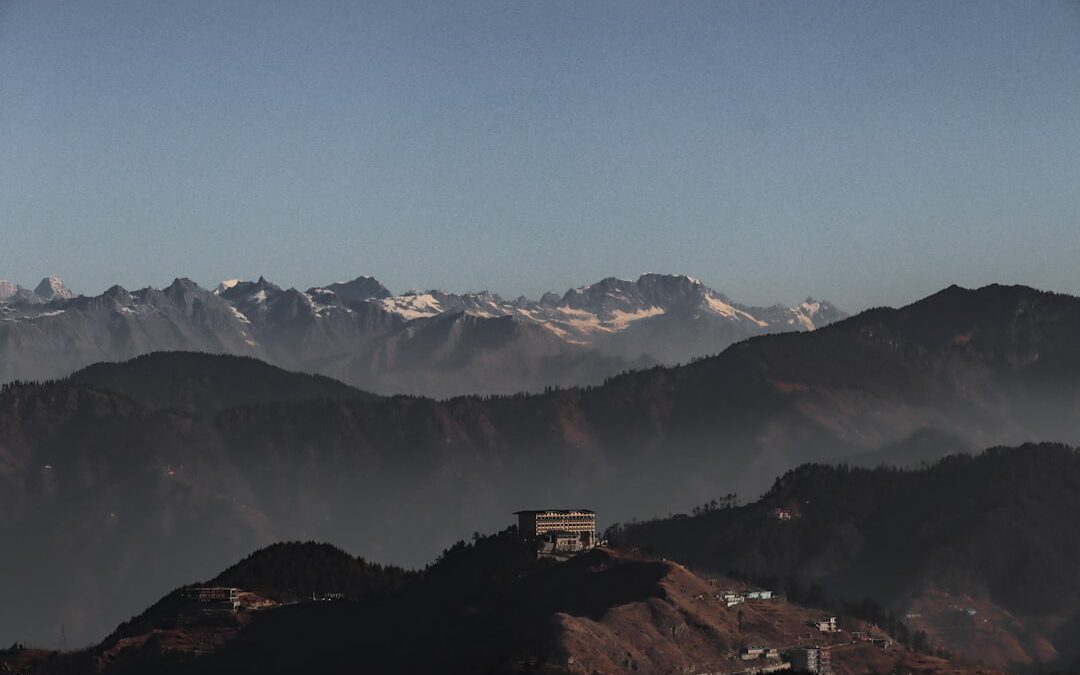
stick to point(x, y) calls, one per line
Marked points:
point(995, 534)
point(357, 290)
point(42, 341)
point(53, 288)
point(50, 289)
point(206, 384)
point(665, 318)
point(431, 343)
point(488, 606)
point(171, 494)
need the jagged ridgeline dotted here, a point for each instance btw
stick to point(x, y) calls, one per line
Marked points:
point(433, 343)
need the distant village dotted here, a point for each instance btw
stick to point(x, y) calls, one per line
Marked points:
point(563, 533)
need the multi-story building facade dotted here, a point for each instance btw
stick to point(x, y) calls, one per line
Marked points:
point(556, 524)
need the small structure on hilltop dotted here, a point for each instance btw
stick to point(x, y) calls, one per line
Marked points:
point(220, 596)
point(558, 531)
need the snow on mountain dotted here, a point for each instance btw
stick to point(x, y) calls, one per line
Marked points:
point(718, 304)
point(810, 314)
point(7, 289)
point(52, 288)
point(357, 331)
point(669, 318)
point(225, 285)
point(413, 305)
point(614, 305)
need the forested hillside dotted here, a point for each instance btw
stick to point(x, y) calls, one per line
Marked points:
point(999, 528)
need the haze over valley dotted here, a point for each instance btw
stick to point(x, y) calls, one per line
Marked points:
point(134, 477)
point(326, 346)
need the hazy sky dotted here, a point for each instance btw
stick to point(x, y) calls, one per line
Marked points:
point(866, 152)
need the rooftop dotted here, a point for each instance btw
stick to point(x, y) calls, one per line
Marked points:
point(555, 511)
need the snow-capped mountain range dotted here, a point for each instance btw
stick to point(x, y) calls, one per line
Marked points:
point(431, 342)
point(50, 288)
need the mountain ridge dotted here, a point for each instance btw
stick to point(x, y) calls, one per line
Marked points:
point(398, 478)
point(360, 333)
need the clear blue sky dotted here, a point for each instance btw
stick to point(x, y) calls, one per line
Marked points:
point(866, 152)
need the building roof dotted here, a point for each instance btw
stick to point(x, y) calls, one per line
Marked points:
point(516, 513)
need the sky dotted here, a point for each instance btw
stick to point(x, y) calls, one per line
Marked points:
point(868, 153)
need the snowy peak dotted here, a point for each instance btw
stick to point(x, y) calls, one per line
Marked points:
point(53, 288)
point(663, 291)
point(613, 305)
point(414, 304)
point(247, 292)
point(667, 317)
point(7, 289)
point(811, 314)
point(359, 331)
point(225, 285)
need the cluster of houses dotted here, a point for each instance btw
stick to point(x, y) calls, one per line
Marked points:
point(565, 532)
point(731, 597)
point(799, 659)
point(803, 659)
point(213, 597)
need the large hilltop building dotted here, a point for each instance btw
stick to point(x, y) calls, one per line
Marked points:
point(558, 531)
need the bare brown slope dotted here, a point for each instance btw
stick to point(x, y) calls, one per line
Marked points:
point(979, 551)
point(486, 608)
point(682, 627)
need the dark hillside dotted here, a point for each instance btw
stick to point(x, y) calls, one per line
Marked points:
point(287, 572)
point(488, 606)
point(999, 527)
point(209, 383)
